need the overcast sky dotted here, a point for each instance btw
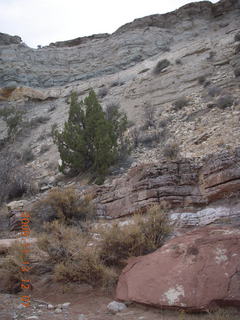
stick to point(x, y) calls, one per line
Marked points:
point(39, 22)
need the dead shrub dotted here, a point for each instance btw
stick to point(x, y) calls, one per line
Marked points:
point(214, 91)
point(237, 72)
point(149, 116)
point(73, 258)
point(144, 235)
point(164, 123)
point(111, 108)
point(180, 103)
point(225, 101)
point(143, 71)
point(134, 135)
point(64, 205)
point(171, 151)
point(44, 148)
point(61, 242)
point(15, 179)
point(160, 66)
point(27, 155)
point(102, 92)
point(237, 49)
point(52, 107)
point(211, 55)
point(10, 276)
point(202, 79)
point(37, 121)
point(178, 61)
point(10, 272)
point(149, 138)
point(237, 37)
point(86, 267)
point(224, 314)
point(116, 83)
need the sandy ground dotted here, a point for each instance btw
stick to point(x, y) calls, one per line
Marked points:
point(86, 304)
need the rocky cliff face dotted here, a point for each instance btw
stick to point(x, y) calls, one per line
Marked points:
point(177, 77)
point(178, 184)
point(89, 57)
point(200, 43)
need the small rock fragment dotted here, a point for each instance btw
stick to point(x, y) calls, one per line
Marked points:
point(50, 306)
point(82, 317)
point(115, 307)
point(66, 305)
point(58, 310)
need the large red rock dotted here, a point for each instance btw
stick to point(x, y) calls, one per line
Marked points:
point(196, 271)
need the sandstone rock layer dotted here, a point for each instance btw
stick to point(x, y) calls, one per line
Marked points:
point(197, 271)
point(179, 184)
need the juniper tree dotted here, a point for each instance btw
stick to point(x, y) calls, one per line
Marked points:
point(91, 139)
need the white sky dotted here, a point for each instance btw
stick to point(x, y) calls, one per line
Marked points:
point(39, 22)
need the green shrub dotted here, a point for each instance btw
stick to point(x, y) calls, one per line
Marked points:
point(91, 139)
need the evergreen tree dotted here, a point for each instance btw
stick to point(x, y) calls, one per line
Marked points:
point(92, 139)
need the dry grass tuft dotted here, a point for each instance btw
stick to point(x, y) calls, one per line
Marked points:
point(64, 205)
point(145, 235)
point(10, 272)
point(73, 257)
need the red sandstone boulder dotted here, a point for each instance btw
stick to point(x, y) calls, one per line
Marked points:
point(196, 271)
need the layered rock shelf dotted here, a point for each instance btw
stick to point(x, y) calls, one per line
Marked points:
point(176, 184)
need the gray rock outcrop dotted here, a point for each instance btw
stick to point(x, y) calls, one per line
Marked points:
point(84, 58)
